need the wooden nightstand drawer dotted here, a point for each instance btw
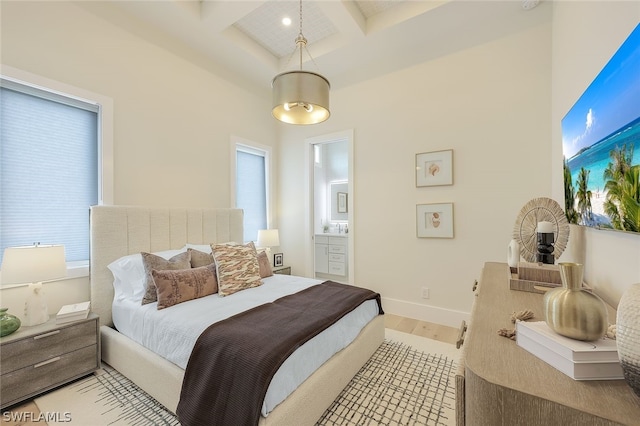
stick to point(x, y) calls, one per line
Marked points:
point(38, 358)
point(40, 347)
point(282, 270)
point(37, 378)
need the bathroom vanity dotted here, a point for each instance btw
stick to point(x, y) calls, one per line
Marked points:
point(331, 255)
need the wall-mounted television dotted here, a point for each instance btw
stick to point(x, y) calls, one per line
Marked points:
point(601, 146)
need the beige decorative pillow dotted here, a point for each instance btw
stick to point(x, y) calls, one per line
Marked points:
point(199, 258)
point(264, 265)
point(185, 284)
point(152, 262)
point(237, 267)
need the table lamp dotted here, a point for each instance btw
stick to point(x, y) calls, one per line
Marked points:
point(33, 265)
point(268, 238)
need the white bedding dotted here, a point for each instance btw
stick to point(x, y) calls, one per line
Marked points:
point(172, 332)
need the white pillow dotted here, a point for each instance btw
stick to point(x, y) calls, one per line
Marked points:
point(205, 248)
point(129, 275)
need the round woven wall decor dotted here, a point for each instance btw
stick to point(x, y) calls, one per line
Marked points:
point(525, 229)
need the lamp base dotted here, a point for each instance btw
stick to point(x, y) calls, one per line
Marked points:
point(35, 308)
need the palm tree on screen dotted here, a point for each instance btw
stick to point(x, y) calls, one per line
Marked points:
point(583, 196)
point(569, 196)
point(622, 203)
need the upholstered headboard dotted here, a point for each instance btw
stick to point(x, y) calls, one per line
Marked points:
point(117, 231)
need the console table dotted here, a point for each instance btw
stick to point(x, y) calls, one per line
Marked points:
point(499, 383)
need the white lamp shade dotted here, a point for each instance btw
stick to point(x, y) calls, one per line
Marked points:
point(31, 264)
point(268, 238)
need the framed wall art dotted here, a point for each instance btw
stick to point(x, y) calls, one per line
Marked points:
point(434, 220)
point(278, 259)
point(434, 168)
point(342, 202)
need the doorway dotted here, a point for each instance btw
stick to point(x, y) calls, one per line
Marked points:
point(331, 206)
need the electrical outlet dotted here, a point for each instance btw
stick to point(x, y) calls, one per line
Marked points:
point(425, 292)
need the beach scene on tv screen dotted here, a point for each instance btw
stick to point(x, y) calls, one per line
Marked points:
point(601, 146)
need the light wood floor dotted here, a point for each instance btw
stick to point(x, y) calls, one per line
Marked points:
point(433, 331)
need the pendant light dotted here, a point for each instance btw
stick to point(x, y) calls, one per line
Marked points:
point(300, 97)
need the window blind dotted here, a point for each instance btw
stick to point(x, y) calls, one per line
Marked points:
point(48, 171)
point(251, 191)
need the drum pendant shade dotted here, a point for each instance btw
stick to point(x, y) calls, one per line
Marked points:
point(300, 97)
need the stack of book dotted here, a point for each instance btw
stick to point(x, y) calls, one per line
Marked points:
point(73, 312)
point(597, 360)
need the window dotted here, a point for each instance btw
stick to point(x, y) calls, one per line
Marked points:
point(49, 168)
point(252, 168)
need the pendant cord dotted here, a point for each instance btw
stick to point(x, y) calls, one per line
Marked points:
point(301, 43)
point(300, 36)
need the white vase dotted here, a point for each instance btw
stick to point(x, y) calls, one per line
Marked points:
point(513, 254)
point(628, 336)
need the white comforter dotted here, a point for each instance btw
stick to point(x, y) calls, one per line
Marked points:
point(172, 332)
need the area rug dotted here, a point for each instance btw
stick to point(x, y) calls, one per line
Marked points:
point(408, 381)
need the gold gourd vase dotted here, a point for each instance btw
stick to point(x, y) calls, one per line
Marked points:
point(573, 311)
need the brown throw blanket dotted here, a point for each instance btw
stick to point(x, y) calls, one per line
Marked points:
point(233, 361)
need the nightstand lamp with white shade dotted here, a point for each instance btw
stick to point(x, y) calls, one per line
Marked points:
point(33, 265)
point(268, 238)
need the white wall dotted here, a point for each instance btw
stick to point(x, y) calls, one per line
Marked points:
point(491, 105)
point(498, 105)
point(172, 119)
point(585, 37)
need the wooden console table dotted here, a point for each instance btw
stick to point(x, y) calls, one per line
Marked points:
point(499, 383)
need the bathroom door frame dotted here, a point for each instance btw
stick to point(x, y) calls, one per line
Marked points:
point(345, 135)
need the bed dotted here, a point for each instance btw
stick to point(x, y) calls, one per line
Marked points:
point(117, 231)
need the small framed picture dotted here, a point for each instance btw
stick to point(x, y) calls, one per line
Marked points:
point(342, 202)
point(434, 168)
point(277, 259)
point(434, 220)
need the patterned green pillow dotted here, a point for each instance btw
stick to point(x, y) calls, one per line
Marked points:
point(237, 267)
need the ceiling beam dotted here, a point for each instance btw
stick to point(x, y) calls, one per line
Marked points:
point(346, 16)
point(220, 15)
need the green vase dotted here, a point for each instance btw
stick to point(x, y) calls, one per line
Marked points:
point(8, 323)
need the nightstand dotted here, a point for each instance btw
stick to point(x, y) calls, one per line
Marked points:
point(284, 270)
point(39, 358)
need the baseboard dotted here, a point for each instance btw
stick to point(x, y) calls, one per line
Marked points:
point(427, 313)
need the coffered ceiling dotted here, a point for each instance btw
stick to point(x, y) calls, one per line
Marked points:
point(348, 41)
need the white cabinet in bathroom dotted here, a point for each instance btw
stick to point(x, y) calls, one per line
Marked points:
point(322, 254)
point(331, 254)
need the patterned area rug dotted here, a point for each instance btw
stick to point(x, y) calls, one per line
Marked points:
point(402, 384)
point(398, 386)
